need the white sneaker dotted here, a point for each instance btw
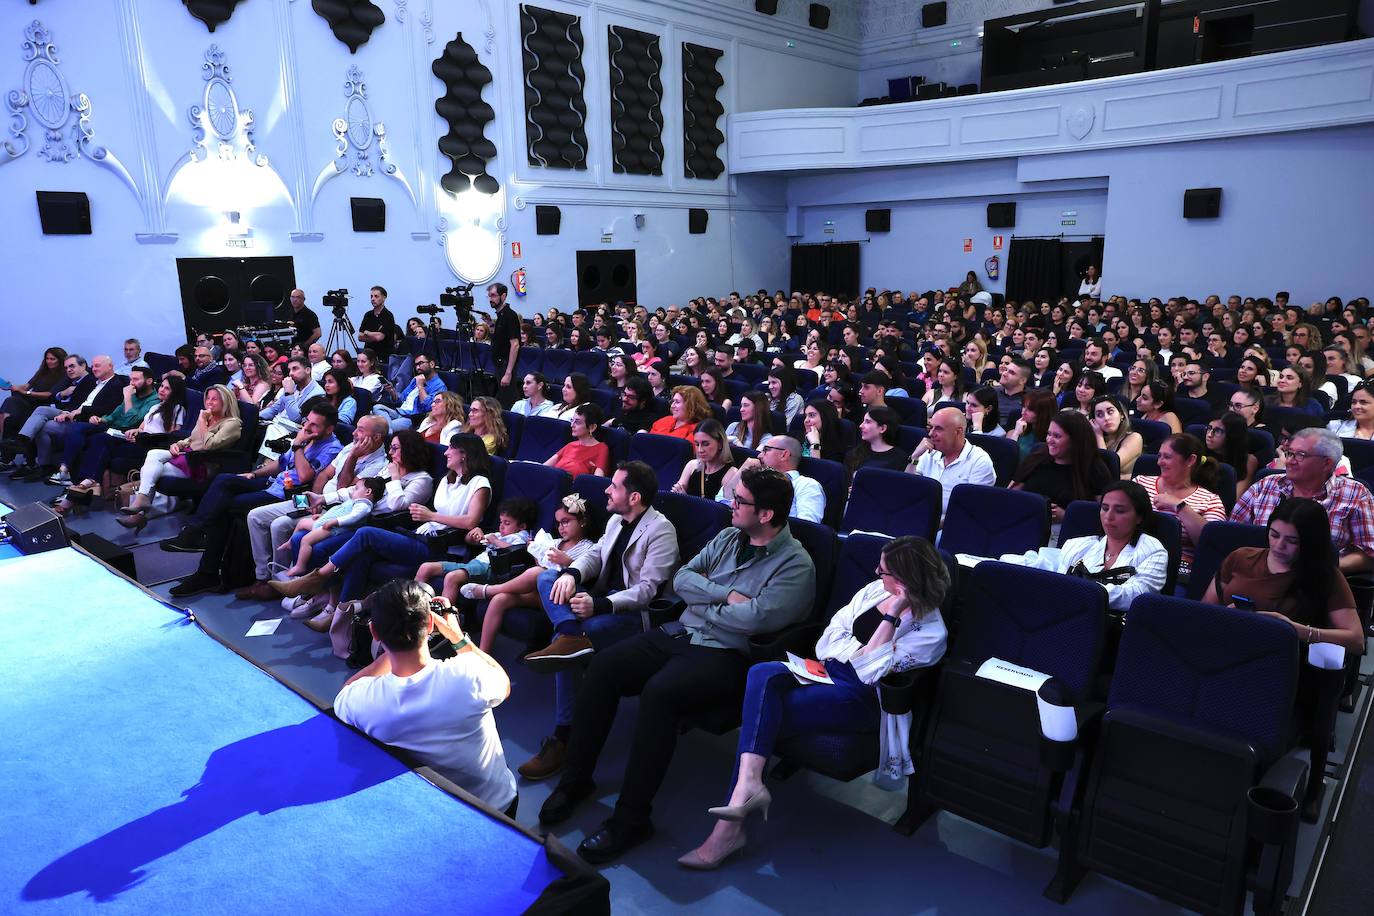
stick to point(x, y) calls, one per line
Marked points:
point(61, 478)
point(472, 590)
point(307, 606)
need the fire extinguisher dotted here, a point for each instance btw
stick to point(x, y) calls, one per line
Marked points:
point(517, 281)
point(991, 266)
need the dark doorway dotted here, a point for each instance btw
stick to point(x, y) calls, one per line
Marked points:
point(221, 293)
point(606, 276)
point(829, 266)
point(1043, 269)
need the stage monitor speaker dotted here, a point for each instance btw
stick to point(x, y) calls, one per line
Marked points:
point(108, 553)
point(696, 221)
point(369, 214)
point(606, 276)
point(1202, 203)
point(767, 7)
point(878, 220)
point(216, 293)
point(64, 212)
point(547, 220)
point(934, 14)
point(819, 16)
point(35, 528)
point(1002, 216)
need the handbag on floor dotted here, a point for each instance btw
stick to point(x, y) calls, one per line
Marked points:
point(122, 493)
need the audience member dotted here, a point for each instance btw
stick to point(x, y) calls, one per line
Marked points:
point(1186, 487)
point(585, 454)
point(1067, 467)
point(782, 454)
point(947, 456)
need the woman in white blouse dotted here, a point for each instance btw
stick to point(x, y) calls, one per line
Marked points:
point(369, 373)
point(1091, 287)
point(891, 625)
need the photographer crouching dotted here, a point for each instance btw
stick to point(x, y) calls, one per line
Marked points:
point(440, 711)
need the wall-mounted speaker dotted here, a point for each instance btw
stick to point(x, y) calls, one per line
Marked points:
point(696, 221)
point(64, 212)
point(547, 220)
point(605, 275)
point(878, 220)
point(369, 214)
point(1002, 215)
point(767, 7)
point(819, 16)
point(1202, 203)
point(933, 14)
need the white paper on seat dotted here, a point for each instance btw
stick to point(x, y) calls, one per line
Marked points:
point(1325, 655)
point(994, 669)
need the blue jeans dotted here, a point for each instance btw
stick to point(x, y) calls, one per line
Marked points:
point(604, 630)
point(776, 706)
point(374, 545)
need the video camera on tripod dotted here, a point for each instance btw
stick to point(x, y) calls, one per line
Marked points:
point(458, 298)
point(337, 300)
point(342, 335)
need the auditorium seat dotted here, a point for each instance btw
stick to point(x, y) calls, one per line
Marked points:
point(545, 486)
point(541, 438)
point(515, 428)
point(893, 503)
point(831, 475)
point(1083, 518)
point(1004, 453)
point(1215, 543)
point(667, 455)
point(991, 521)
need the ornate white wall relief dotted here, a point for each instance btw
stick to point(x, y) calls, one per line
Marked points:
point(359, 138)
point(218, 121)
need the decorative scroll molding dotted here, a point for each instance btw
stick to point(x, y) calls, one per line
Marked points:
point(356, 135)
point(218, 121)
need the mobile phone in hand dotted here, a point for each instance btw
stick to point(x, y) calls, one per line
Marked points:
point(1243, 603)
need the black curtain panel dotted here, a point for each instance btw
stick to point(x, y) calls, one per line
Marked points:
point(1035, 270)
point(832, 267)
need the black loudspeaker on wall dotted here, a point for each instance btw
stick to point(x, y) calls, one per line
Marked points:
point(64, 212)
point(547, 220)
point(933, 14)
point(878, 220)
point(369, 214)
point(606, 276)
point(696, 221)
point(819, 16)
point(768, 7)
point(1202, 203)
point(1002, 215)
point(35, 528)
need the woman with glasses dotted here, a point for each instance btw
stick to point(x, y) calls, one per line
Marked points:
point(1228, 442)
point(1186, 487)
point(1249, 403)
point(891, 625)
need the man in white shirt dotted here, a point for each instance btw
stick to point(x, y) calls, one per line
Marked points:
point(1095, 358)
point(952, 459)
point(319, 361)
point(133, 357)
point(781, 453)
point(440, 711)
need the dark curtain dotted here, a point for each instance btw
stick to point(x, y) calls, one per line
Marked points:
point(832, 267)
point(1077, 255)
point(1035, 270)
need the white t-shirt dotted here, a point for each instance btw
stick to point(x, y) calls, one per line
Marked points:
point(442, 714)
point(372, 383)
point(453, 499)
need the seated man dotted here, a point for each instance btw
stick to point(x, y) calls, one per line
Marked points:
point(412, 404)
point(207, 371)
point(49, 434)
point(752, 578)
point(598, 600)
point(440, 711)
point(284, 415)
point(783, 454)
point(946, 455)
point(137, 398)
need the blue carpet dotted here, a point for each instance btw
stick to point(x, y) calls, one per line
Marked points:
point(146, 768)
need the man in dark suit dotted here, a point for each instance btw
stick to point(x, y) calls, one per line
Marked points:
point(104, 393)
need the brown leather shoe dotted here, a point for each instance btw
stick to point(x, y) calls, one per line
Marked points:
point(258, 591)
point(321, 622)
point(548, 762)
point(563, 653)
point(308, 584)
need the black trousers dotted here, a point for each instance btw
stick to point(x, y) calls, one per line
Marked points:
point(229, 495)
point(672, 678)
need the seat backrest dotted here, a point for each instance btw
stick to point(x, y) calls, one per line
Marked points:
point(617, 440)
point(195, 403)
point(752, 374)
point(248, 417)
point(1112, 460)
point(820, 543)
point(558, 365)
point(497, 476)
point(1360, 452)
point(855, 567)
point(482, 358)
point(1082, 519)
point(667, 455)
point(1260, 443)
point(831, 476)
point(911, 410)
point(1215, 543)
point(592, 365)
point(544, 485)
point(592, 489)
point(893, 503)
point(1147, 465)
point(991, 521)
point(908, 437)
point(515, 429)
point(364, 399)
point(541, 438)
point(438, 461)
point(160, 363)
point(1004, 453)
point(607, 400)
point(1192, 410)
point(528, 359)
point(1219, 669)
point(1042, 620)
point(695, 519)
point(1153, 432)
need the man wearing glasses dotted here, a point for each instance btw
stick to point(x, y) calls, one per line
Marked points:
point(782, 454)
point(1312, 456)
point(752, 578)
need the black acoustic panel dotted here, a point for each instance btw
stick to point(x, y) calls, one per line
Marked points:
point(767, 7)
point(219, 293)
point(606, 276)
point(933, 14)
point(1002, 215)
point(1202, 203)
point(547, 219)
point(352, 21)
point(696, 221)
point(878, 220)
point(555, 110)
point(819, 16)
point(701, 109)
point(369, 214)
point(467, 116)
point(213, 13)
point(64, 212)
point(636, 101)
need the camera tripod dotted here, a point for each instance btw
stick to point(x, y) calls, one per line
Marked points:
point(342, 335)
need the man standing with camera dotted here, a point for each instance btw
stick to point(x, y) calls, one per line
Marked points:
point(306, 321)
point(377, 330)
point(505, 341)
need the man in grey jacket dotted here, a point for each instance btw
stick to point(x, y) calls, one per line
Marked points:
point(752, 578)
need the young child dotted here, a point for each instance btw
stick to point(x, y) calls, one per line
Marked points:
point(350, 513)
point(516, 517)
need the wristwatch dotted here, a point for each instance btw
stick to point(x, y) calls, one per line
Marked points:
point(1179, 508)
point(895, 621)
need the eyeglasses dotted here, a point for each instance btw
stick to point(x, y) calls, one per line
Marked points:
point(882, 573)
point(737, 502)
point(1292, 455)
point(1216, 430)
point(772, 448)
point(1241, 406)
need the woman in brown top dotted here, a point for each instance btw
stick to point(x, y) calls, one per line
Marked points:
point(1294, 579)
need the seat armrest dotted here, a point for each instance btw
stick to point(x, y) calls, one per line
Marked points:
point(897, 693)
point(799, 639)
point(1288, 774)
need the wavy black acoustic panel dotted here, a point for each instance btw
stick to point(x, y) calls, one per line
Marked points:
point(352, 21)
point(701, 109)
point(555, 111)
point(467, 116)
point(213, 13)
point(636, 101)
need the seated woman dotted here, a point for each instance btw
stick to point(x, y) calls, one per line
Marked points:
point(949, 384)
point(656, 373)
point(1227, 442)
point(577, 389)
point(1113, 430)
point(459, 504)
point(1030, 429)
point(702, 476)
point(369, 371)
point(534, 403)
point(445, 418)
point(877, 446)
point(1293, 388)
point(982, 409)
point(1091, 385)
point(1141, 373)
point(585, 454)
point(38, 390)
point(619, 368)
point(686, 409)
point(217, 427)
point(822, 436)
point(714, 389)
point(1295, 579)
point(782, 394)
point(755, 421)
point(1156, 403)
point(891, 625)
point(1361, 422)
point(1063, 384)
point(486, 423)
point(1067, 467)
point(338, 391)
point(1186, 487)
point(163, 419)
point(255, 384)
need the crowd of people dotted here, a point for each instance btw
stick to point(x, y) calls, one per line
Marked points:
point(345, 490)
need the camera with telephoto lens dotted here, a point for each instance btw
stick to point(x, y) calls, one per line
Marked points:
point(430, 309)
point(458, 298)
point(337, 299)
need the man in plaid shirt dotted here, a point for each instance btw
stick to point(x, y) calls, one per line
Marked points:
point(1312, 458)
